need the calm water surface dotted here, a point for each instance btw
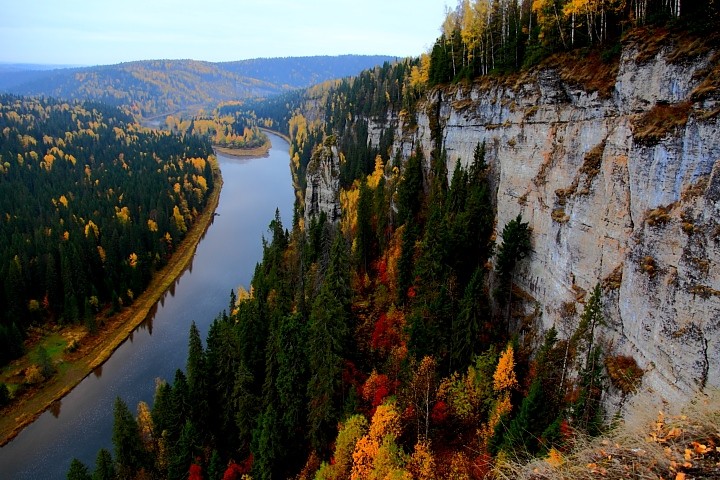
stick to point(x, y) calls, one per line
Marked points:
point(81, 423)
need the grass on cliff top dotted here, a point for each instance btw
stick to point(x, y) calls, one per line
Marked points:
point(652, 444)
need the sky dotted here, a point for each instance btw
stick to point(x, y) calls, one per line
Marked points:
point(100, 32)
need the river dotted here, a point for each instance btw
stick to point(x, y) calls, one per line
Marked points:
point(81, 423)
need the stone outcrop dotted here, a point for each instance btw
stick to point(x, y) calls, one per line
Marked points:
point(322, 193)
point(613, 196)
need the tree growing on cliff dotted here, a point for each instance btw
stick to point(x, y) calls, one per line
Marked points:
point(515, 247)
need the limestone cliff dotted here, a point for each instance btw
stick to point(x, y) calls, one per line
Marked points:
point(619, 187)
point(323, 182)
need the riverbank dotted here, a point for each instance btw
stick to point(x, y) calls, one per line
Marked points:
point(260, 151)
point(93, 350)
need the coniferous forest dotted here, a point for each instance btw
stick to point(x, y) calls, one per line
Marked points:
point(92, 204)
point(383, 345)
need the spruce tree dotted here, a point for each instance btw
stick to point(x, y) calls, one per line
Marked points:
point(104, 466)
point(197, 379)
point(78, 471)
point(129, 453)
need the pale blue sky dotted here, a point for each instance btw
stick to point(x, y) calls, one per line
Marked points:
point(91, 32)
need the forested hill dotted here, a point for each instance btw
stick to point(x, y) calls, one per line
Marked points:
point(156, 87)
point(300, 72)
point(91, 204)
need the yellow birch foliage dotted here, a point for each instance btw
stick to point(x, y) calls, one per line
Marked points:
point(352, 430)
point(422, 464)
point(374, 178)
point(504, 378)
point(145, 425)
point(419, 75)
point(348, 204)
point(385, 424)
point(92, 227)
point(179, 219)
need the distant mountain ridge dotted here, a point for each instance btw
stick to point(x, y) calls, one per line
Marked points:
point(157, 87)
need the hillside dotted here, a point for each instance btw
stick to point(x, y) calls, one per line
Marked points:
point(158, 87)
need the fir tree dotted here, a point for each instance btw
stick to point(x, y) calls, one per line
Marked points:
point(104, 466)
point(78, 471)
point(129, 453)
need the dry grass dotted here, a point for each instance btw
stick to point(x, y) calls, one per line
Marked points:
point(614, 280)
point(592, 162)
point(648, 41)
point(590, 72)
point(624, 373)
point(680, 447)
point(558, 215)
point(649, 266)
point(658, 216)
point(661, 120)
point(704, 291)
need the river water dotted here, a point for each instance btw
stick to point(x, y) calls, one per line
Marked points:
point(81, 423)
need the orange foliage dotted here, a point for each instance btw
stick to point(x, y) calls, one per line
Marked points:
point(388, 331)
point(422, 463)
point(377, 387)
point(504, 377)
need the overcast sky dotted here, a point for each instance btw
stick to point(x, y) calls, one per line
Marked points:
point(90, 32)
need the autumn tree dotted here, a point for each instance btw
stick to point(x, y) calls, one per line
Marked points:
point(504, 382)
point(377, 449)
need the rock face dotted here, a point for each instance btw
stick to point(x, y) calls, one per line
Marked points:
point(322, 193)
point(608, 204)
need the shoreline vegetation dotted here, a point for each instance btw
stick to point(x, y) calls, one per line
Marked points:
point(93, 350)
point(260, 151)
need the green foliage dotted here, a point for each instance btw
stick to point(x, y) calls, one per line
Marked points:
point(4, 395)
point(78, 471)
point(514, 248)
point(197, 378)
point(410, 191)
point(47, 367)
point(104, 466)
point(90, 199)
point(183, 452)
point(129, 453)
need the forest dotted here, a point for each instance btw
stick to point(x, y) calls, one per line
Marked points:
point(230, 125)
point(92, 204)
point(393, 344)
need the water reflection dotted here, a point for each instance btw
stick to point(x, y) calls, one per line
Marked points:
point(55, 408)
point(98, 371)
